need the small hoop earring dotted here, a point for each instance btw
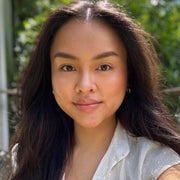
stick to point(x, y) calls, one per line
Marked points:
point(128, 90)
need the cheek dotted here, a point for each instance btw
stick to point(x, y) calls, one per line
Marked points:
point(59, 86)
point(116, 92)
point(60, 92)
point(118, 83)
point(55, 82)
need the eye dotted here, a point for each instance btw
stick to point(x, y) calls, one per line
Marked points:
point(67, 68)
point(104, 67)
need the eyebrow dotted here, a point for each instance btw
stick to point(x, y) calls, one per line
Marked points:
point(99, 56)
point(65, 55)
point(106, 54)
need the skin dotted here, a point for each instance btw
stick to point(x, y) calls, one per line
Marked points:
point(89, 83)
point(172, 173)
point(89, 80)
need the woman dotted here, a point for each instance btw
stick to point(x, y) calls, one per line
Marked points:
point(90, 102)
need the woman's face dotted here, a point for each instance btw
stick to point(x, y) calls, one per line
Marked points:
point(89, 71)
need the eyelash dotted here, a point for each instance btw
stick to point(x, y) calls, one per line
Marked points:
point(100, 68)
point(65, 68)
point(108, 67)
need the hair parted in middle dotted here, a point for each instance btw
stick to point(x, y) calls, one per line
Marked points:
point(45, 133)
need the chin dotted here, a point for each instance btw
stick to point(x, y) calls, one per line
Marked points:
point(89, 124)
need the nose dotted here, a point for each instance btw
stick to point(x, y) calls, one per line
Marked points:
point(85, 83)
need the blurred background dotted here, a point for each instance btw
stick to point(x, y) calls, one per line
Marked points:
point(21, 20)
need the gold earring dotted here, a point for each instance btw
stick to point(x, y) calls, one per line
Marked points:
point(128, 90)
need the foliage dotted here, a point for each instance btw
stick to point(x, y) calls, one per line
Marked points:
point(159, 17)
point(162, 20)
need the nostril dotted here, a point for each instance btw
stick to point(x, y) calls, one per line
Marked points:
point(85, 83)
point(85, 89)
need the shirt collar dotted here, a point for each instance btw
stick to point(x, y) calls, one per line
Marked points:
point(118, 150)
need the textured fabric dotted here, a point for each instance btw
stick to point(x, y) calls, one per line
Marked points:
point(134, 158)
point(130, 158)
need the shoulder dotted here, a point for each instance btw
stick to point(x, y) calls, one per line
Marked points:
point(154, 158)
point(137, 157)
point(172, 173)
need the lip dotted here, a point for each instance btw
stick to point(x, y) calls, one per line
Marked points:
point(87, 104)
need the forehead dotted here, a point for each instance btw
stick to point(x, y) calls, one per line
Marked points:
point(87, 24)
point(86, 35)
point(76, 25)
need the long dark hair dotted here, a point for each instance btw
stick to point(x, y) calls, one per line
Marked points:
point(45, 133)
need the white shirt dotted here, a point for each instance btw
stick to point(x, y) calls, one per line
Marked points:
point(130, 158)
point(134, 158)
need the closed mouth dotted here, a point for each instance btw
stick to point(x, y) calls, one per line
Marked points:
point(87, 105)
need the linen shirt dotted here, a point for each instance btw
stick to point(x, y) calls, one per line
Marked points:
point(134, 158)
point(130, 158)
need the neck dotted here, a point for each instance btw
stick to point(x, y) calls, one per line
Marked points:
point(90, 144)
point(96, 137)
